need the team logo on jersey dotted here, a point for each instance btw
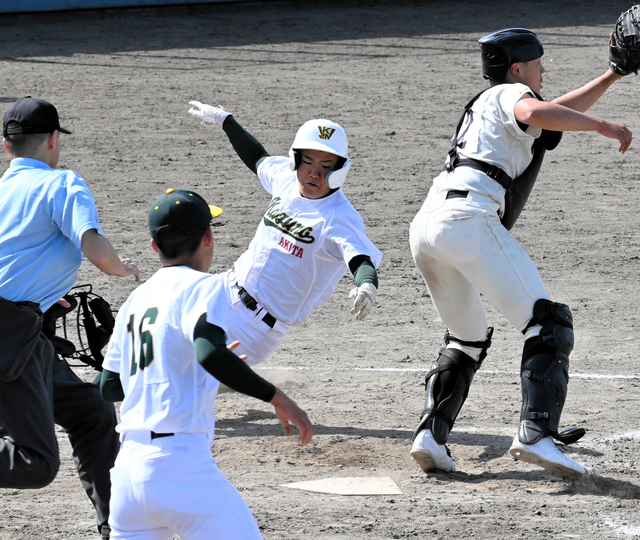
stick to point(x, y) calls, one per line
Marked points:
point(326, 132)
point(288, 225)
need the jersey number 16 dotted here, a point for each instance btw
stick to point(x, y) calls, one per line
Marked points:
point(144, 337)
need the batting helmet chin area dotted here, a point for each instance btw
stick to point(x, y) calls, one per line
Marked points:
point(505, 47)
point(326, 136)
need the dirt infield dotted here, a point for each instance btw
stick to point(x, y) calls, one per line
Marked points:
point(396, 75)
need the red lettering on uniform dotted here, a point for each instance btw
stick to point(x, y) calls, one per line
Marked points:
point(291, 248)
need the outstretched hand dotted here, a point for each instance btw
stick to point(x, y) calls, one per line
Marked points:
point(130, 269)
point(365, 299)
point(619, 132)
point(287, 411)
point(208, 113)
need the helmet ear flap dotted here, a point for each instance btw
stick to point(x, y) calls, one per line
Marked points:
point(294, 159)
point(336, 178)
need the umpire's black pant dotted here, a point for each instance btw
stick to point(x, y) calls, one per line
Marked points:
point(47, 392)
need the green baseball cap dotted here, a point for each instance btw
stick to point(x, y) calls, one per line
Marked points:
point(180, 212)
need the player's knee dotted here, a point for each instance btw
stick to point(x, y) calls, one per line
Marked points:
point(556, 321)
point(30, 471)
point(42, 475)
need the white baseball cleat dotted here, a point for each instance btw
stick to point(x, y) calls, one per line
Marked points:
point(548, 456)
point(430, 455)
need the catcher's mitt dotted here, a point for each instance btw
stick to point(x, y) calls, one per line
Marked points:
point(624, 54)
point(94, 322)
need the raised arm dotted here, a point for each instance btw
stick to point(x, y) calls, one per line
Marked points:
point(583, 98)
point(248, 148)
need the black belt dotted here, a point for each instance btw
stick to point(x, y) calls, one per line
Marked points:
point(155, 435)
point(457, 194)
point(251, 303)
point(492, 171)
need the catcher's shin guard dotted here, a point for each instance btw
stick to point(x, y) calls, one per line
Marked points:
point(447, 385)
point(544, 374)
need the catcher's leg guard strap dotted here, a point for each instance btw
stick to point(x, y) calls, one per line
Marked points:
point(545, 373)
point(447, 385)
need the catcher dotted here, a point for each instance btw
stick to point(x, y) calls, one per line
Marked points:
point(461, 244)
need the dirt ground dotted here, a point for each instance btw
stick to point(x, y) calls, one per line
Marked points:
point(396, 75)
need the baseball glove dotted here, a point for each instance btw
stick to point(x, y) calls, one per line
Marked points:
point(94, 322)
point(624, 53)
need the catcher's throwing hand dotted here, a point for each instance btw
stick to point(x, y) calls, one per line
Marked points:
point(287, 411)
point(624, 49)
point(208, 113)
point(619, 132)
point(365, 298)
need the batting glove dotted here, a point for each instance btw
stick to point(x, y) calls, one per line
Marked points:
point(208, 113)
point(365, 298)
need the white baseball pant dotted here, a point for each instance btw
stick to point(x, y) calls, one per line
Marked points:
point(463, 251)
point(171, 486)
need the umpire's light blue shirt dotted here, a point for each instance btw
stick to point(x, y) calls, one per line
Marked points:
point(43, 214)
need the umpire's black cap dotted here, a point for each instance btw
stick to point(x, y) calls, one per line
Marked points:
point(31, 115)
point(179, 212)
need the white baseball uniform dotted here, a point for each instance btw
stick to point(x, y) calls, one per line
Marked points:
point(298, 255)
point(165, 481)
point(459, 244)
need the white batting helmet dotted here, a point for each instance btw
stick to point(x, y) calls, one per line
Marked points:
point(326, 136)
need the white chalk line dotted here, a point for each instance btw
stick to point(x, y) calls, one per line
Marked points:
point(424, 370)
point(462, 428)
point(469, 429)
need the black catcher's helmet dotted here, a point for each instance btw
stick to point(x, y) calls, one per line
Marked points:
point(505, 47)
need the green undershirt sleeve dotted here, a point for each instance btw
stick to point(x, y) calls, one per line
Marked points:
point(225, 365)
point(110, 386)
point(363, 270)
point(248, 148)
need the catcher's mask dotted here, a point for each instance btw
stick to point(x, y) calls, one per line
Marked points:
point(505, 47)
point(329, 137)
point(94, 322)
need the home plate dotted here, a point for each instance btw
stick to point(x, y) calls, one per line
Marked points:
point(349, 486)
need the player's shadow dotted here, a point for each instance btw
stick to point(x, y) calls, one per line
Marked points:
point(249, 425)
point(496, 446)
point(589, 484)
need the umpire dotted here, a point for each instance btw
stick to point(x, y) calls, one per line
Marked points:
point(48, 220)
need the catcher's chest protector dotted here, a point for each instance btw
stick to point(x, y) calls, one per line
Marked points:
point(517, 189)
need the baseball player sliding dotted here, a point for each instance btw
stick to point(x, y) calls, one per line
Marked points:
point(463, 250)
point(309, 237)
point(165, 360)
